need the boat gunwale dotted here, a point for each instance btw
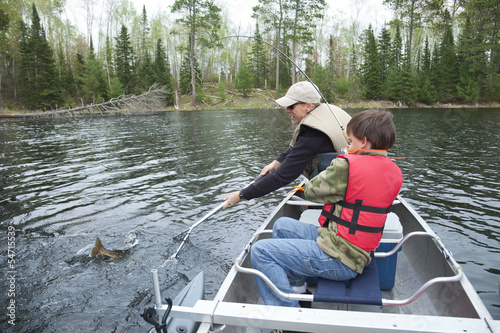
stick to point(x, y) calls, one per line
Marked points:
point(219, 307)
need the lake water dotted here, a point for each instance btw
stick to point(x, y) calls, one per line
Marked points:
point(65, 182)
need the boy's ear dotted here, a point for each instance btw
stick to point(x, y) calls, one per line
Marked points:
point(366, 144)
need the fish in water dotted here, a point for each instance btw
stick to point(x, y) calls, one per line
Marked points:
point(99, 249)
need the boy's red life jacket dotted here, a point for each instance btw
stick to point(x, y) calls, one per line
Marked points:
point(373, 184)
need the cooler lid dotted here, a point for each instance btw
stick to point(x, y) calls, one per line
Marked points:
point(393, 230)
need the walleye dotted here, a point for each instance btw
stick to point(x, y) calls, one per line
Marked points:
point(100, 249)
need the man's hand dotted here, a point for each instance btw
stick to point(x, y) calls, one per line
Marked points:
point(232, 199)
point(270, 167)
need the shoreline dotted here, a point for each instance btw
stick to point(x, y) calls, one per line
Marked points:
point(261, 99)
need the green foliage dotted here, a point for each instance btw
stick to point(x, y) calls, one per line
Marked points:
point(385, 53)
point(201, 96)
point(202, 20)
point(244, 81)
point(427, 92)
point(4, 23)
point(221, 89)
point(146, 74)
point(397, 48)
point(258, 61)
point(40, 85)
point(162, 71)
point(93, 79)
point(399, 64)
point(370, 69)
point(468, 88)
point(185, 83)
point(448, 65)
point(285, 69)
point(124, 60)
point(115, 88)
point(322, 78)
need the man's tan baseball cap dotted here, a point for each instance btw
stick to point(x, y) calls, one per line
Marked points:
point(303, 91)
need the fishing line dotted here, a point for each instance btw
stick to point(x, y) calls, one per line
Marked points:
point(445, 157)
point(302, 72)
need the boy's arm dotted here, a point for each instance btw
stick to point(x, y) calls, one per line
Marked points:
point(330, 185)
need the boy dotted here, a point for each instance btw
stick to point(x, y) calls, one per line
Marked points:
point(357, 188)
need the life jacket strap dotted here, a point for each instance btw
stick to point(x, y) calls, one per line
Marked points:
point(353, 225)
point(363, 208)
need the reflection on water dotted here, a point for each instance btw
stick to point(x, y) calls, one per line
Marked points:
point(63, 183)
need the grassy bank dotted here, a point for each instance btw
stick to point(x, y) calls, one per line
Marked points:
point(264, 99)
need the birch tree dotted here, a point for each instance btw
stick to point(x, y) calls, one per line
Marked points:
point(303, 15)
point(271, 12)
point(202, 20)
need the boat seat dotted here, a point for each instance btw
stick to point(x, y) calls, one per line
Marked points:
point(363, 289)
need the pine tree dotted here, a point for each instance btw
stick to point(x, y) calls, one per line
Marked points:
point(484, 45)
point(385, 54)
point(144, 34)
point(146, 74)
point(468, 84)
point(66, 75)
point(354, 76)
point(258, 61)
point(409, 87)
point(244, 81)
point(324, 82)
point(448, 65)
point(370, 69)
point(162, 70)
point(392, 88)
point(286, 67)
point(93, 79)
point(4, 24)
point(328, 76)
point(40, 80)
point(427, 91)
point(397, 48)
point(124, 60)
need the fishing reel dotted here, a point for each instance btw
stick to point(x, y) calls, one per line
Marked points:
point(151, 317)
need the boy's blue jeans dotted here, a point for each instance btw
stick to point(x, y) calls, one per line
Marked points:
point(290, 257)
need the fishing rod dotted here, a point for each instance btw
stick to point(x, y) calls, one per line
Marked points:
point(303, 73)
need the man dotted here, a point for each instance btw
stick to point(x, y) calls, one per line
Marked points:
point(318, 131)
point(358, 188)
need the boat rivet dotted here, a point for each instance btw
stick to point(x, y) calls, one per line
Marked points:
point(181, 329)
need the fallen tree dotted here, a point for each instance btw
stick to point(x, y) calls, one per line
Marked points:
point(151, 100)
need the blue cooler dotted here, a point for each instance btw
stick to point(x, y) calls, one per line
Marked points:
point(393, 233)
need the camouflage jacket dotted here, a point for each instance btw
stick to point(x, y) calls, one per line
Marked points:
point(330, 187)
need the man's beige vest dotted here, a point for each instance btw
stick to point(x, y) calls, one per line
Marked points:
point(323, 120)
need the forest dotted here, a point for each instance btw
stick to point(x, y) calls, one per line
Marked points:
point(432, 51)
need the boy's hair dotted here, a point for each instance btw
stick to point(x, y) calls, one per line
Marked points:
point(376, 125)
